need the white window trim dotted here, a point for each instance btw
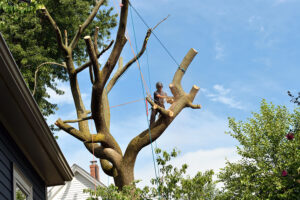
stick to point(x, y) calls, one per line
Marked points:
point(22, 182)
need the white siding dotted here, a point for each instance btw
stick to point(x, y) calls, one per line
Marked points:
point(72, 190)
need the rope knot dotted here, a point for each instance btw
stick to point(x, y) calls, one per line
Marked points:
point(181, 69)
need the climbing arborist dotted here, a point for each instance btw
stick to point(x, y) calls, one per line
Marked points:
point(159, 99)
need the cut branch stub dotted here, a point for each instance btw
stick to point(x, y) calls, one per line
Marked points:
point(163, 111)
point(194, 106)
point(194, 92)
point(192, 96)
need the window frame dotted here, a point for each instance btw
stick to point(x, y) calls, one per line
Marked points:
point(22, 182)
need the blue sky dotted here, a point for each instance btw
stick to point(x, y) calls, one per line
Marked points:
point(247, 51)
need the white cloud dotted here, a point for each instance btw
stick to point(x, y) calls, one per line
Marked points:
point(222, 95)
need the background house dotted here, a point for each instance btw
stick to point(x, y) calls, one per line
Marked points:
point(30, 159)
point(73, 190)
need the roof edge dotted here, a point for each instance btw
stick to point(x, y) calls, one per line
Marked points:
point(45, 136)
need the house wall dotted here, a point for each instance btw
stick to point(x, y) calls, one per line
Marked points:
point(11, 154)
point(72, 190)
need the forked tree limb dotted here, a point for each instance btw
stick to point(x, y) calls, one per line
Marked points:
point(89, 63)
point(122, 70)
point(158, 127)
point(83, 26)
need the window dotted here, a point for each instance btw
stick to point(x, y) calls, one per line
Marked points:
point(22, 187)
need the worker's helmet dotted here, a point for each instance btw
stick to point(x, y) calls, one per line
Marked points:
point(159, 85)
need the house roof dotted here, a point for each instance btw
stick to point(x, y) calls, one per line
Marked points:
point(54, 191)
point(76, 168)
point(21, 116)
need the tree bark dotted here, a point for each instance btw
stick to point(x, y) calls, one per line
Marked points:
point(102, 143)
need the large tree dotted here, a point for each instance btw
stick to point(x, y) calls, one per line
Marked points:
point(33, 44)
point(114, 162)
point(270, 156)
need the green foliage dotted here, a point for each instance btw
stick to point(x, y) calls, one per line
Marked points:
point(269, 147)
point(20, 195)
point(172, 185)
point(111, 192)
point(32, 39)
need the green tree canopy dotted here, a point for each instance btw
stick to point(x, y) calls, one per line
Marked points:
point(32, 40)
point(269, 147)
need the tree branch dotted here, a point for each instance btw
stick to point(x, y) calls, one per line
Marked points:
point(176, 83)
point(93, 57)
point(119, 44)
point(89, 63)
point(167, 113)
point(96, 138)
point(194, 106)
point(71, 130)
point(66, 38)
point(78, 120)
point(56, 28)
point(108, 154)
point(108, 168)
point(160, 22)
point(83, 26)
point(37, 70)
point(96, 40)
point(122, 70)
point(193, 92)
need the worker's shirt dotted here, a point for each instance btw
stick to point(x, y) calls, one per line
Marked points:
point(159, 101)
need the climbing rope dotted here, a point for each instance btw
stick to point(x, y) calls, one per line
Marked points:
point(123, 104)
point(154, 158)
point(146, 103)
